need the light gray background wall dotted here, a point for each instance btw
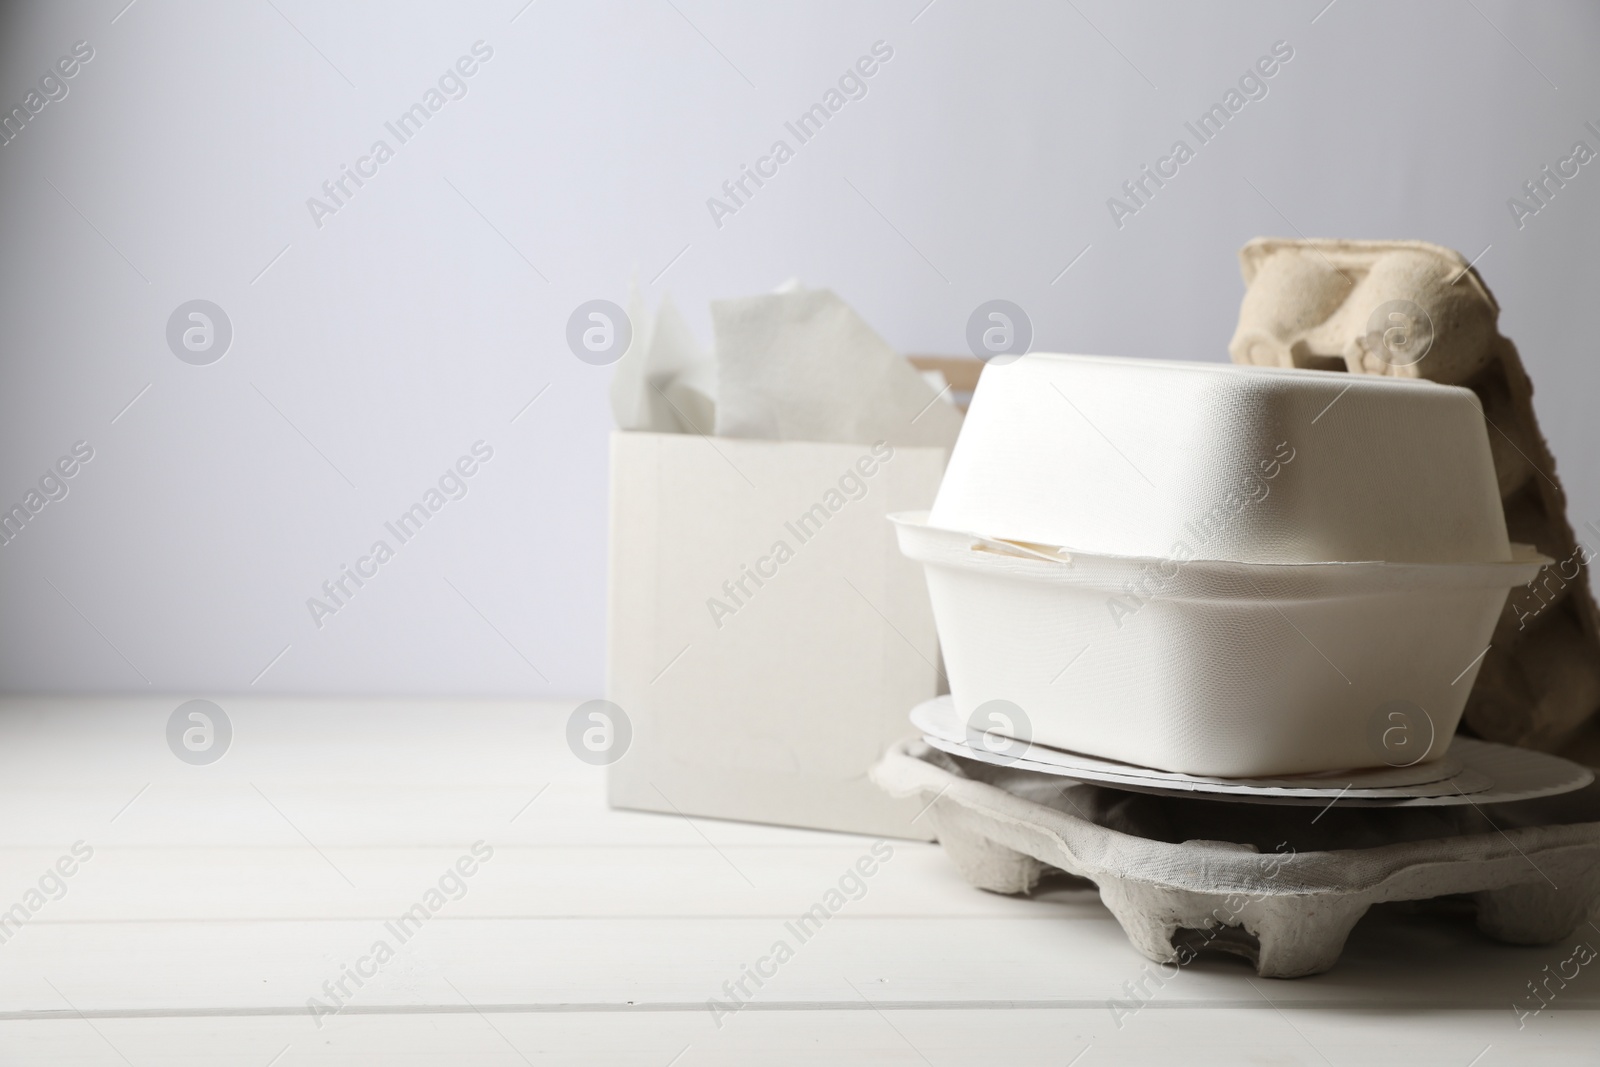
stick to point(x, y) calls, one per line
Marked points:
point(370, 353)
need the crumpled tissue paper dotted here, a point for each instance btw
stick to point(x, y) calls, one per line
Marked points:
point(796, 364)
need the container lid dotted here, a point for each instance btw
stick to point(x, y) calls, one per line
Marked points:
point(1217, 461)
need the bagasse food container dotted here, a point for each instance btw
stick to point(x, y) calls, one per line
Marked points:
point(1217, 570)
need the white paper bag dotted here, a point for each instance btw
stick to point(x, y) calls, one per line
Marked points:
point(766, 636)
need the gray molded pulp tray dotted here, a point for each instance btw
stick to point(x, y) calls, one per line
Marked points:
point(1281, 886)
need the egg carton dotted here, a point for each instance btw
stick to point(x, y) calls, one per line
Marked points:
point(1418, 310)
point(1276, 885)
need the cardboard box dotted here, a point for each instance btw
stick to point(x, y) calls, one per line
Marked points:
point(766, 638)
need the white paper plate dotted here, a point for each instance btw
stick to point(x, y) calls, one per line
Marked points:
point(1475, 772)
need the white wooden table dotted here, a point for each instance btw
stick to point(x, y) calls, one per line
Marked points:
point(219, 899)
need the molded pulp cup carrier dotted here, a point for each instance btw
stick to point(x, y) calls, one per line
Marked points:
point(1218, 570)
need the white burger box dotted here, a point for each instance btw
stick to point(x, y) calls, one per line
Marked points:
point(765, 635)
point(1216, 570)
